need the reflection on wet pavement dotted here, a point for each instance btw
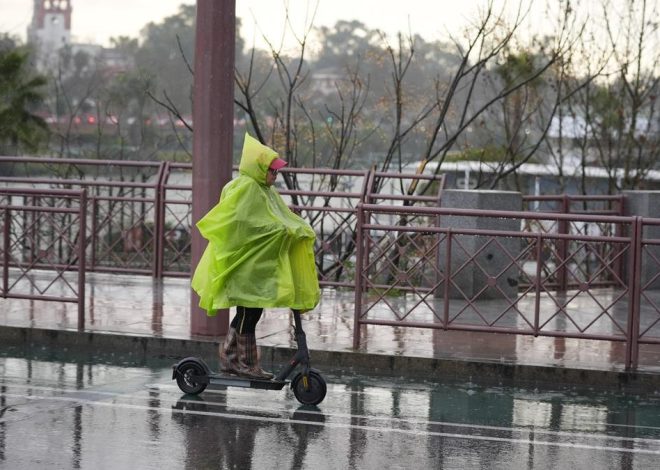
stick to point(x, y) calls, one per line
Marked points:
point(107, 411)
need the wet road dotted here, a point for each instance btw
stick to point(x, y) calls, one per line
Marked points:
point(62, 411)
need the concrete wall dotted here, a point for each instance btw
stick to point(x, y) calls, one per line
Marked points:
point(490, 265)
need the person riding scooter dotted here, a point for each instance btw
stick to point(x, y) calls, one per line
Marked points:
point(259, 255)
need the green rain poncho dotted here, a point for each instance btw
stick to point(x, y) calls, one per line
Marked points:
point(260, 254)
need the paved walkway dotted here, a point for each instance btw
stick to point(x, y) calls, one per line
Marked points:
point(139, 306)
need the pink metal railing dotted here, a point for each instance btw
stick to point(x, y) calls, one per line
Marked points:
point(645, 280)
point(142, 224)
point(575, 204)
point(123, 213)
point(428, 292)
point(43, 241)
point(403, 264)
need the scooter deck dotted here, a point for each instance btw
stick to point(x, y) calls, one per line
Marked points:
point(245, 382)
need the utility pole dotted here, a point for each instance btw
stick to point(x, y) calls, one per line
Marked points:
point(213, 121)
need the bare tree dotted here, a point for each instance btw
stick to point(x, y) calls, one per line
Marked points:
point(569, 143)
point(613, 119)
point(626, 136)
point(493, 56)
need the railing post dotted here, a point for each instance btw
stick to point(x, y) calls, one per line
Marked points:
point(94, 228)
point(159, 222)
point(5, 254)
point(35, 235)
point(82, 245)
point(537, 283)
point(360, 253)
point(634, 293)
point(618, 232)
point(447, 292)
point(563, 245)
point(438, 258)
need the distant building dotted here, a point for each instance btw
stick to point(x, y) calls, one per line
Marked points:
point(325, 81)
point(50, 30)
point(578, 137)
point(50, 33)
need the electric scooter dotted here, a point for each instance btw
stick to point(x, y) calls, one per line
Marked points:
point(192, 375)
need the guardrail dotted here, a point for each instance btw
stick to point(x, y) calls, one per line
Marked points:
point(141, 212)
point(645, 280)
point(434, 274)
point(574, 204)
point(43, 245)
point(408, 267)
point(123, 200)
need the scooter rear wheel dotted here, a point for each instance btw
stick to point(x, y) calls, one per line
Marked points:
point(185, 378)
point(315, 391)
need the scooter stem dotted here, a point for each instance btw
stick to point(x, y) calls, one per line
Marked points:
point(302, 354)
point(297, 321)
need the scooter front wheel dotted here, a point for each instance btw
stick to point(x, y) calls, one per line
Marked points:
point(185, 378)
point(310, 391)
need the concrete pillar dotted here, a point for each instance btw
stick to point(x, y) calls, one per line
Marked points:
point(213, 121)
point(502, 282)
point(646, 204)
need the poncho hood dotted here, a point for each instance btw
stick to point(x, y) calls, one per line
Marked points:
point(255, 159)
point(260, 254)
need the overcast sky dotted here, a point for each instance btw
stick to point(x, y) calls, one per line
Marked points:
point(97, 20)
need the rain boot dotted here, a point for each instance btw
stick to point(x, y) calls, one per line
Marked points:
point(248, 358)
point(229, 353)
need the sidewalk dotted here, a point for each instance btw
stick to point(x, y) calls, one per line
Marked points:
point(152, 316)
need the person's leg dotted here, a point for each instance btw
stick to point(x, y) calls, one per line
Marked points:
point(246, 319)
point(229, 349)
point(246, 323)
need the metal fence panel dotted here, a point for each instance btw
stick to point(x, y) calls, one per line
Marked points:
point(43, 241)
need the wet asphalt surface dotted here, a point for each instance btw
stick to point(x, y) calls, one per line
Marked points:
point(62, 410)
